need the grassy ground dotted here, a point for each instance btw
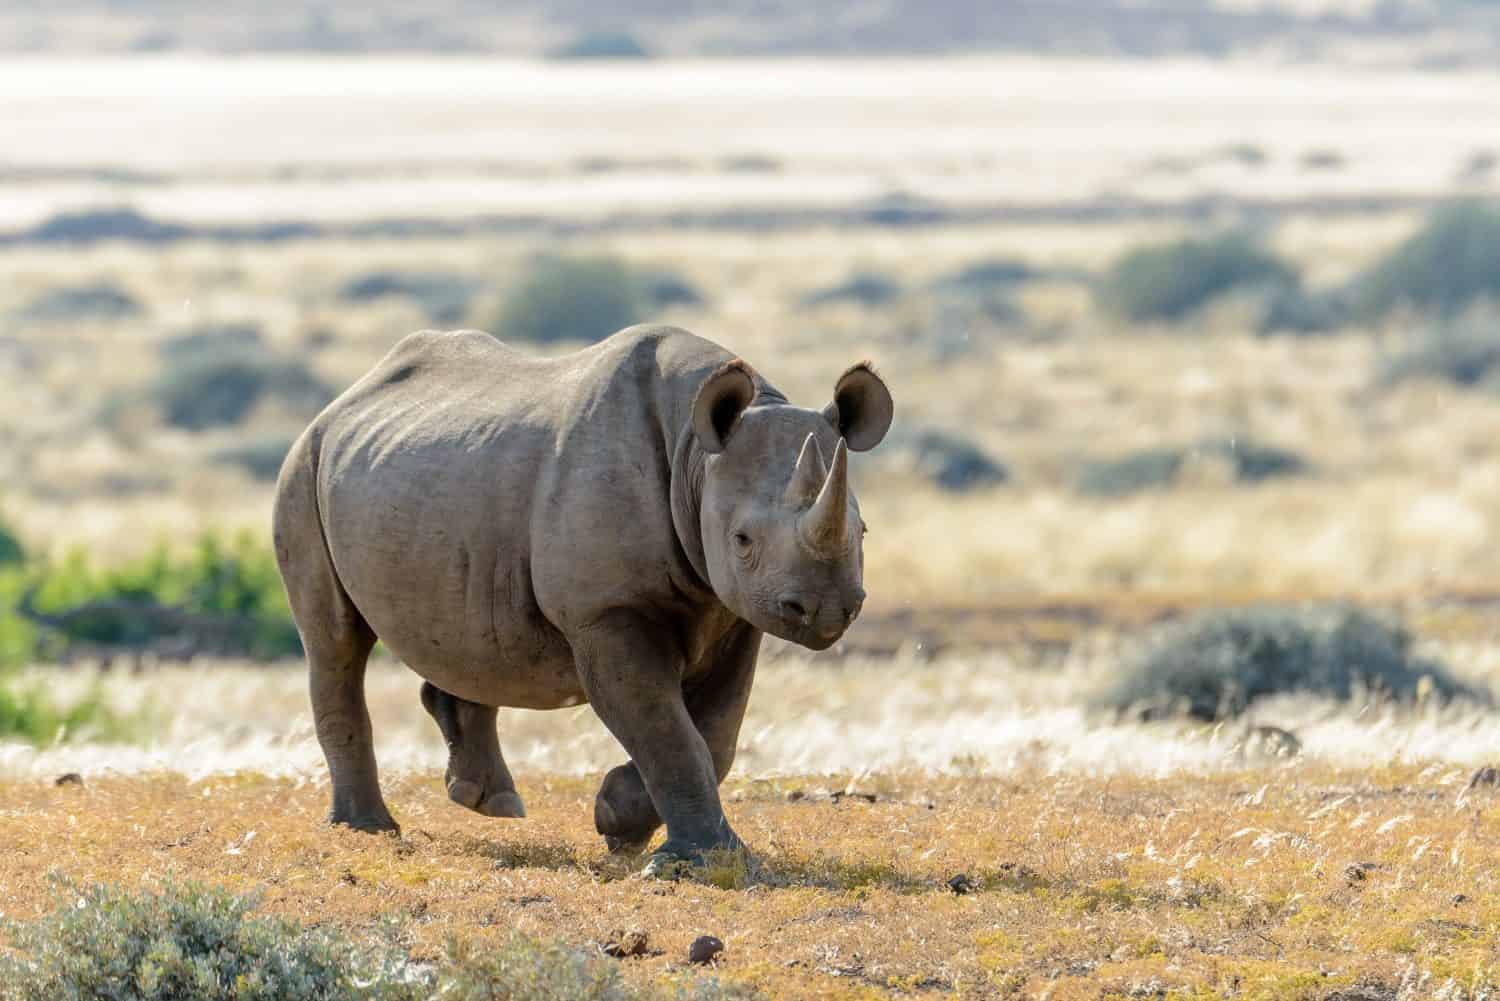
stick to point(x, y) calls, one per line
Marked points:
point(1280, 883)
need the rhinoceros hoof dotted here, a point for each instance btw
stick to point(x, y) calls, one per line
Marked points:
point(497, 804)
point(369, 823)
point(664, 865)
point(629, 847)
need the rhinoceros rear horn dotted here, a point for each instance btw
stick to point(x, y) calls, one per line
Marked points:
point(825, 525)
point(720, 401)
point(807, 478)
point(862, 408)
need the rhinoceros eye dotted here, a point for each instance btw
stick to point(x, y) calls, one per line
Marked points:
point(742, 540)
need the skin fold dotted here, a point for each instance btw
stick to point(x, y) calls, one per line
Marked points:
point(618, 526)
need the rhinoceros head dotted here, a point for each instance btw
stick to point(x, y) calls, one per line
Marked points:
point(782, 535)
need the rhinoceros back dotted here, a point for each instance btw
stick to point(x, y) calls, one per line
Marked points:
point(460, 477)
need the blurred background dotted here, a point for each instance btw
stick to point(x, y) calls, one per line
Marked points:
point(1187, 305)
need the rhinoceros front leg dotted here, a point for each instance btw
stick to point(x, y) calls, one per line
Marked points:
point(476, 777)
point(716, 701)
point(632, 677)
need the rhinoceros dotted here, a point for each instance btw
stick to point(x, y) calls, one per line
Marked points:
point(617, 526)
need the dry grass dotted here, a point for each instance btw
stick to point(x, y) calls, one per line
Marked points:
point(1277, 884)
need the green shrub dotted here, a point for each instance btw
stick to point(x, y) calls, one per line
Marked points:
point(1146, 469)
point(1452, 262)
point(1166, 282)
point(1465, 355)
point(565, 299)
point(1215, 664)
point(31, 713)
point(196, 943)
point(189, 943)
point(219, 385)
point(11, 552)
point(222, 596)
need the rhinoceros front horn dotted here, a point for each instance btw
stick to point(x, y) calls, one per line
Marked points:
point(825, 525)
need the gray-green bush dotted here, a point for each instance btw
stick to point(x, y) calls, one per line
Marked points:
point(864, 288)
point(1465, 354)
point(443, 296)
point(570, 299)
point(99, 300)
point(1166, 282)
point(601, 45)
point(1216, 664)
point(194, 943)
point(1449, 264)
point(1145, 469)
point(219, 384)
point(188, 943)
point(260, 456)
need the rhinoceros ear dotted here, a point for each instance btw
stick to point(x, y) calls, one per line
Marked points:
point(862, 408)
point(720, 401)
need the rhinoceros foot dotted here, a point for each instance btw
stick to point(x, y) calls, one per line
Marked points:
point(501, 803)
point(371, 822)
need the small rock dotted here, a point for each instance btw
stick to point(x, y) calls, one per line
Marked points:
point(1460, 898)
point(68, 779)
point(623, 944)
point(1354, 872)
point(1486, 776)
point(704, 949)
point(962, 884)
point(793, 795)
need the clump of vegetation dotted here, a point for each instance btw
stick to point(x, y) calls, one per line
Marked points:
point(93, 225)
point(219, 384)
point(1144, 469)
point(1464, 354)
point(571, 299)
point(221, 597)
point(445, 297)
point(261, 456)
point(195, 943)
point(11, 551)
point(99, 300)
point(1448, 265)
point(986, 277)
point(1254, 462)
point(866, 288)
point(211, 337)
point(950, 461)
point(1166, 282)
point(602, 45)
point(1215, 664)
point(1291, 309)
point(663, 288)
point(1158, 467)
point(192, 942)
point(31, 713)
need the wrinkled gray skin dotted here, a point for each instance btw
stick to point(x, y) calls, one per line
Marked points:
point(617, 526)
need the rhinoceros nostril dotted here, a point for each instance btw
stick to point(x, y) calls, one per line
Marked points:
point(794, 609)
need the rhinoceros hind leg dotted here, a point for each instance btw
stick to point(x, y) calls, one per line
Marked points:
point(338, 642)
point(623, 811)
point(476, 776)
